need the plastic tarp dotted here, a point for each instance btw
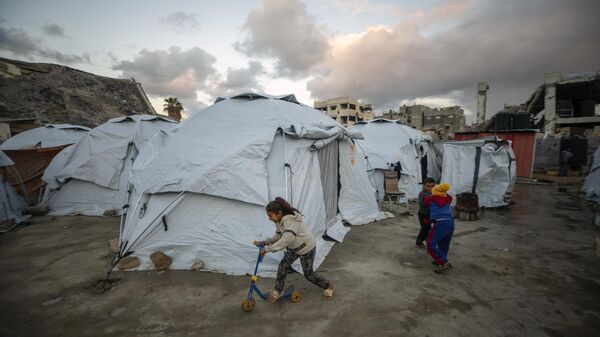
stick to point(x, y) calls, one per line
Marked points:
point(51, 135)
point(30, 164)
point(387, 142)
point(91, 177)
point(201, 190)
point(591, 186)
point(493, 173)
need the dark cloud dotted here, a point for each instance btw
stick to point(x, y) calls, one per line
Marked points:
point(54, 30)
point(510, 44)
point(239, 80)
point(20, 43)
point(171, 72)
point(284, 30)
point(181, 21)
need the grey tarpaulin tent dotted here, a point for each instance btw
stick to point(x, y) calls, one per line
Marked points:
point(225, 164)
point(484, 166)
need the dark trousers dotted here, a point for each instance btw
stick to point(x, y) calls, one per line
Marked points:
point(564, 170)
point(424, 228)
point(438, 241)
point(306, 260)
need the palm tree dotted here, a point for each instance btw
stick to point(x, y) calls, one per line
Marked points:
point(173, 107)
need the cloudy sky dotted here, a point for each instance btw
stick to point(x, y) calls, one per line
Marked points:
point(383, 52)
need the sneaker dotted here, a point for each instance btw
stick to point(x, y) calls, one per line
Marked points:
point(274, 296)
point(328, 293)
point(443, 268)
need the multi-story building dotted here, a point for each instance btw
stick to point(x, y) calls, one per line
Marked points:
point(447, 119)
point(345, 110)
point(394, 115)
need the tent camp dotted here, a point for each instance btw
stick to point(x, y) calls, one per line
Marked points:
point(11, 203)
point(389, 142)
point(33, 150)
point(483, 166)
point(90, 177)
point(225, 163)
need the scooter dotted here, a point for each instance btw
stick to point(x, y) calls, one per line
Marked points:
point(249, 303)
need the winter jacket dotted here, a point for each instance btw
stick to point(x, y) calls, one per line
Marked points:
point(291, 232)
point(439, 207)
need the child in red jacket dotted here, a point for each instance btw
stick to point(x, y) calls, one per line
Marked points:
point(440, 235)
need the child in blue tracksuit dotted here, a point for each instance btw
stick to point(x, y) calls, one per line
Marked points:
point(440, 235)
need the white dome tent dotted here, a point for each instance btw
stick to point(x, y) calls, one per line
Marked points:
point(33, 150)
point(91, 177)
point(225, 164)
point(388, 142)
point(51, 135)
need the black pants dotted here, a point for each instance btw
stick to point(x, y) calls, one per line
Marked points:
point(425, 228)
point(306, 260)
point(564, 170)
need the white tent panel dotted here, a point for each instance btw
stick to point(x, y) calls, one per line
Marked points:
point(496, 172)
point(357, 203)
point(11, 203)
point(388, 142)
point(203, 227)
point(91, 177)
point(591, 186)
point(50, 135)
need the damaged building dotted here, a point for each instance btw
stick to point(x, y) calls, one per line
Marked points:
point(567, 110)
point(562, 113)
point(32, 94)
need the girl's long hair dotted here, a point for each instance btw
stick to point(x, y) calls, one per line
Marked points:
point(280, 205)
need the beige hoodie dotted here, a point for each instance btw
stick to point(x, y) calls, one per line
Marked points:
point(292, 233)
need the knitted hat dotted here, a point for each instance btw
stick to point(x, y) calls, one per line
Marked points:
point(440, 189)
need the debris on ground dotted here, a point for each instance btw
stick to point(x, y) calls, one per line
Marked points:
point(102, 286)
point(160, 260)
point(37, 210)
point(52, 301)
point(128, 262)
point(114, 245)
point(117, 312)
point(198, 265)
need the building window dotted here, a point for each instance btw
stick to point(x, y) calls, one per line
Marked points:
point(352, 106)
point(332, 107)
point(450, 116)
point(438, 117)
point(428, 117)
point(344, 106)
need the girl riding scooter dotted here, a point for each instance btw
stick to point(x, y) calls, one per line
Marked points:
point(293, 235)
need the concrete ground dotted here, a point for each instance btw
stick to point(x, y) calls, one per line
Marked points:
point(531, 270)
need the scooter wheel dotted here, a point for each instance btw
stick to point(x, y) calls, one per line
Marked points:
point(248, 305)
point(295, 298)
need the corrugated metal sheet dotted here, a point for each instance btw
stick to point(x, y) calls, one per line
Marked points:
point(523, 144)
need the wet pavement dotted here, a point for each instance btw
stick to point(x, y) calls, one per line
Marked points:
point(528, 270)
